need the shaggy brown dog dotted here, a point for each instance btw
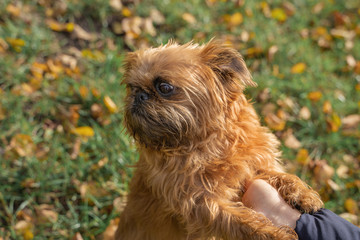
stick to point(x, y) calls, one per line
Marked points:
point(200, 142)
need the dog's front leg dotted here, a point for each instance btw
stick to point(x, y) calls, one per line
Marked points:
point(230, 221)
point(293, 190)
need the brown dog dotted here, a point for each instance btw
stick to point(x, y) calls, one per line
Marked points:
point(200, 142)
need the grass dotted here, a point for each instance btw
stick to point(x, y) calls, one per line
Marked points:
point(56, 184)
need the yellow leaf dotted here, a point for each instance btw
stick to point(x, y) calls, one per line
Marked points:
point(110, 105)
point(278, 14)
point(126, 12)
point(235, 19)
point(69, 27)
point(351, 206)
point(333, 123)
point(302, 156)
point(15, 42)
point(83, 131)
point(314, 96)
point(298, 68)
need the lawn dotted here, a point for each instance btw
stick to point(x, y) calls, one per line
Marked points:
point(65, 160)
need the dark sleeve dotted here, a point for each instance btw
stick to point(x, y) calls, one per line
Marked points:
point(325, 225)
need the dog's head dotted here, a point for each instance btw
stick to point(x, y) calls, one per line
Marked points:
point(178, 94)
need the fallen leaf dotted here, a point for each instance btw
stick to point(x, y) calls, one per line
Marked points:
point(323, 172)
point(46, 213)
point(109, 232)
point(126, 12)
point(298, 68)
point(304, 113)
point(189, 18)
point(96, 111)
point(351, 121)
point(302, 156)
point(271, 52)
point(351, 206)
point(116, 4)
point(83, 91)
point(13, 10)
point(25, 229)
point(274, 122)
point(317, 8)
point(265, 8)
point(101, 163)
point(23, 145)
point(16, 43)
point(314, 96)
point(77, 236)
point(333, 123)
point(342, 171)
point(91, 189)
point(80, 33)
point(110, 105)
point(85, 131)
point(278, 14)
point(327, 108)
point(156, 16)
point(291, 141)
point(289, 8)
point(354, 219)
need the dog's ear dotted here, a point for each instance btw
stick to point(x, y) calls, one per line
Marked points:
point(227, 63)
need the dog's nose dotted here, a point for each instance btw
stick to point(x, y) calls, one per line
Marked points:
point(141, 97)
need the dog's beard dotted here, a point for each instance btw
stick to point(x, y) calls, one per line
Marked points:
point(158, 126)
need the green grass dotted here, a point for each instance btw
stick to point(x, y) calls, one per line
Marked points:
point(49, 169)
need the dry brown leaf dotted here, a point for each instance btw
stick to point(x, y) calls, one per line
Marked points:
point(116, 4)
point(156, 16)
point(274, 122)
point(77, 236)
point(291, 141)
point(80, 33)
point(23, 145)
point(354, 219)
point(289, 8)
point(46, 213)
point(271, 52)
point(323, 172)
point(351, 121)
point(342, 171)
point(318, 7)
point(189, 18)
point(304, 113)
point(109, 232)
point(119, 204)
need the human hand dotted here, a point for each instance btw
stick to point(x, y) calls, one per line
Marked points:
point(263, 198)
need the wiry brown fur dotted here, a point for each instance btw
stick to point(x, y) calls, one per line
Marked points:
point(198, 149)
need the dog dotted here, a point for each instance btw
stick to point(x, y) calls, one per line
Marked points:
point(200, 142)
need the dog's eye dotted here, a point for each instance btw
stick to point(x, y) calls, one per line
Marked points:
point(165, 89)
